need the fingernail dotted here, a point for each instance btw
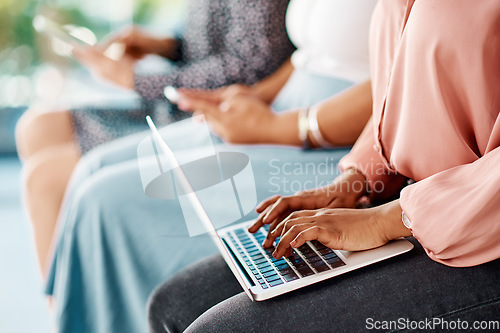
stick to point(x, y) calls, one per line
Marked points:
point(293, 243)
point(224, 107)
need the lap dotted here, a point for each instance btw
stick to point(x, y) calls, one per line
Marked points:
point(181, 135)
point(410, 286)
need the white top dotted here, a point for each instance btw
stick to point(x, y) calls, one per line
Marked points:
point(331, 36)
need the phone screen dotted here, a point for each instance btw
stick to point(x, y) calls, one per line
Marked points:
point(68, 34)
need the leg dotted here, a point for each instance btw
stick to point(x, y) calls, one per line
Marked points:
point(116, 245)
point(46, 175)
point(120, 244)
point(181, 135)
point(38, 129)
point(167, 295)
point(410, 286)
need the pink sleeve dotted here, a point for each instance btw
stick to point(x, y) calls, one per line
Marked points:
point(382, 182)
point(455, 214)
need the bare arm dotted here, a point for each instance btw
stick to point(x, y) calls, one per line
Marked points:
point(265, 90)
point(268, 89)
point(341, 119)
point(247, 119)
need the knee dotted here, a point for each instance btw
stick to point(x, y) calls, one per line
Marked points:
point(106, 194)
point(33, 130)
point(157, 311)
point(49, 170)
point(235, 314)
point(39, 177)
point(28, 129)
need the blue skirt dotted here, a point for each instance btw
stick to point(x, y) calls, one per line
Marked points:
point(115, 244)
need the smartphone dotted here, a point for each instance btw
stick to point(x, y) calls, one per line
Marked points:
point(74, 35)
point(68, 34)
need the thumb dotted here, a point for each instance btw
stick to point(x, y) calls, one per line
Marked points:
point(213, 96)
point(199, 105)
point(87, 55)
point(120, 36)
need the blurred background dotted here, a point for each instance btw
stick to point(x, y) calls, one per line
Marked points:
point(36, 69)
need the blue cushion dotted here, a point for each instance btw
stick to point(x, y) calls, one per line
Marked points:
point(8, 120)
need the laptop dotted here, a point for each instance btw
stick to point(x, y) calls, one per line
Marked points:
point(260, 275)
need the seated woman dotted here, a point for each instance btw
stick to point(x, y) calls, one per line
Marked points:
point(117, 243)
point(222, 45)
point(435, 121)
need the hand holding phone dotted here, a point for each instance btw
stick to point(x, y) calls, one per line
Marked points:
point(75, 36)
point(67, 34)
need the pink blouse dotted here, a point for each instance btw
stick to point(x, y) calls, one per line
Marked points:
point(436, 100)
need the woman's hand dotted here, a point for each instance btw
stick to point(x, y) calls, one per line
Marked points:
point(219, 95)
point(138, 43)
point(344, 192)
point(120, 72)
point(341, 229)
point(239, 119)
point(118, 67)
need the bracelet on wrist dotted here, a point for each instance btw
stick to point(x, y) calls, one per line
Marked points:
point(313, 127)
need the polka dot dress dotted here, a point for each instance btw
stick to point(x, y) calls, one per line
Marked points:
point(226, 41)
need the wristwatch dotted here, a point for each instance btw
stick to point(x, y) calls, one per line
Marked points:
point(406, 220)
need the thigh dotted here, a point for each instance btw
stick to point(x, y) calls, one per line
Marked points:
point(117, 244)
point(411, 287)
point(184, 297)
point(181, 136)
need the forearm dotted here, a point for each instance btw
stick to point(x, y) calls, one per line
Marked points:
point(268, 88)
point(282, 130)
point(389, 222)
point(165, 47)
point(342, 118)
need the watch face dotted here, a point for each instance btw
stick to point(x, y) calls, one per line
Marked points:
point(406, 220)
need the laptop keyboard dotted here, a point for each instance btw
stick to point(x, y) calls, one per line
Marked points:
point(311, 258)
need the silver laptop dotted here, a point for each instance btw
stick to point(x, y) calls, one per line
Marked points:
point(260, 275)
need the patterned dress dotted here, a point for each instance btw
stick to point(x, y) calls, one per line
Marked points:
point(226, 41)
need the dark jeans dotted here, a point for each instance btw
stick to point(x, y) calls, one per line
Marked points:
point(411, 287)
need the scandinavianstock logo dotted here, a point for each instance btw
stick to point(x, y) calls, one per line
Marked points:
point(222, 181)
